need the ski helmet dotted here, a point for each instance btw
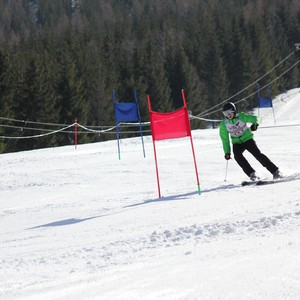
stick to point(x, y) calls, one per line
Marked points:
point(229, 106)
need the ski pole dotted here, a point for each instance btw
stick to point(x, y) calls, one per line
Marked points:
point(226, 170)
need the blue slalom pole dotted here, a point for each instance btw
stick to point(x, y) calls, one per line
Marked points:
point(138, 110)
point(117, 127)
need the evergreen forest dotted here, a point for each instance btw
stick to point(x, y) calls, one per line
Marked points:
point(62, 59)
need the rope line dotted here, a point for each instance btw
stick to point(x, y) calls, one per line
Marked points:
point(106, 131)
point(207, 112)
point(245, 98)
point(37, 135)
point(63, 130)
point(204, 119)
point(31, 122)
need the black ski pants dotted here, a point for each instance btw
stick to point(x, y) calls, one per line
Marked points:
point(250, 145)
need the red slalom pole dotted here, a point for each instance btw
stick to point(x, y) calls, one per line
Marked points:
point(157, 176)
point(191, 139)
point(75, 133)
point(154, 148)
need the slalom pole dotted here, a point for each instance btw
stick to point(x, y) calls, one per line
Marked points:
point(138, 111)
point(117, 123)
point(75, 133)
point(154, 148)
point(118, 139)
point(226, 171)
point(195, 164)
point(156, 167)
point(270, 95)
point(191, 139)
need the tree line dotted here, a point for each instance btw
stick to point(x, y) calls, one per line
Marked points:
point(62, 59)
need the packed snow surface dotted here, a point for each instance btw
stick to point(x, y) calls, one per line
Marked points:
point(82, 224)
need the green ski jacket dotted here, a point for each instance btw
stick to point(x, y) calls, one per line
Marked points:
point(237, 129)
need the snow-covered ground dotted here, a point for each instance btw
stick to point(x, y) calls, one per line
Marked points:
point(82, 224)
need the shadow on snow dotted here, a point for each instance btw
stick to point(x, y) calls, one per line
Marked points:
point(178, 197)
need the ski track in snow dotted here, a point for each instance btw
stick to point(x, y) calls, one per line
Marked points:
point(195, 234)
point(115, 253)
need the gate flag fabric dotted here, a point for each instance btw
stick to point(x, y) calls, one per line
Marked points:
point(265, 102)
point(171, 125)
point(127, 112)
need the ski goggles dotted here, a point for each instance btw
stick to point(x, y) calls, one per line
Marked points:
point(228, 113)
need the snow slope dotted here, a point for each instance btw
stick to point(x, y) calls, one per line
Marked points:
point(81, 224)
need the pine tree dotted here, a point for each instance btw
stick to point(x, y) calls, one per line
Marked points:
point(6, 95)
point(36, 99)
point(240, 66)
point(150, 71)
point(214, 72)
point(70, 88)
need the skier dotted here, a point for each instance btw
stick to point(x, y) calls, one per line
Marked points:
point(235, 125)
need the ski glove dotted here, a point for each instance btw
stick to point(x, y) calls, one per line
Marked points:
point(227, 156)
point(254, 126)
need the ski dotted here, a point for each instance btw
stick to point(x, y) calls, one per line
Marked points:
point(295, 176)
point(262, 182)
point(246, 183)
